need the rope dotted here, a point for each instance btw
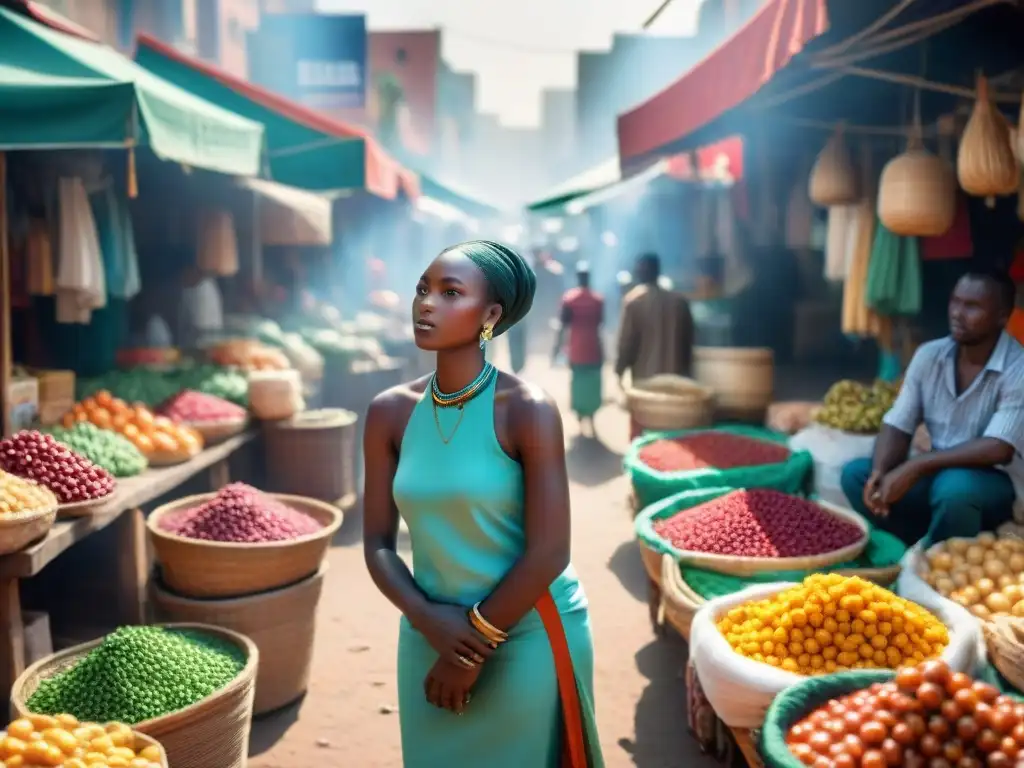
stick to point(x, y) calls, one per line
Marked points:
point(865, 130)
point(879, 23)
point(912, 81)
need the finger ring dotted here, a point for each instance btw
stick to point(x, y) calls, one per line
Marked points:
point(478, 658)
point(467, 663)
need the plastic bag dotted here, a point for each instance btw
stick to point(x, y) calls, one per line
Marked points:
point(740, 689)
point(790, 476)
point(830, 450)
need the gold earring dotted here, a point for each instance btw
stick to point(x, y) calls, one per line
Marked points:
point(485, 335)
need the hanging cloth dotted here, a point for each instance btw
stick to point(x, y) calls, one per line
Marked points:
point(799, 217)
point(841, 220)
point(117, 242)
point(894, 274)
point(954, 244)
point(858, 320)
point(81, 283)
point(39, 253)
point(217, 250)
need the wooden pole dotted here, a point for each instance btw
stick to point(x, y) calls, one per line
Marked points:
point(6, 337)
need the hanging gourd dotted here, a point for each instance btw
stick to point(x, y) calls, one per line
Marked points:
point(986, 165)
point(833, 178)
point(917, 192)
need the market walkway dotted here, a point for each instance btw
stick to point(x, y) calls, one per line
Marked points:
point(349, 717)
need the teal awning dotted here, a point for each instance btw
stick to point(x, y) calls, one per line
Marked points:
point(600, 176)
point(450, 195)
point(60, 91)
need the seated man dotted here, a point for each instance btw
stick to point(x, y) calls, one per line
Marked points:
point(968, 389)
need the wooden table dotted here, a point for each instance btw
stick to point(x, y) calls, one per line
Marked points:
point(133, 561)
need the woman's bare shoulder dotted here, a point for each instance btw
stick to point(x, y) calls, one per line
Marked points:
point(397, 401)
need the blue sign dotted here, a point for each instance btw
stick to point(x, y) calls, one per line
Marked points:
point(317, 60)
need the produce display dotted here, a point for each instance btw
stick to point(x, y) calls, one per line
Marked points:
point(831, 623)
point(758, 523)
point(20, 495)
point(855, 407)
point(39, 457)
point(241, 514)
point(43, 740)
point(985, 574)
point(139, 673)
point(158, 438)
point(199, 407)
point(928, 717)
point(103, 447)
point(704, 450)
point(152, 387)
point(249, 355)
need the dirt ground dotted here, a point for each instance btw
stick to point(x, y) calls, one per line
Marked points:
point(349, 717)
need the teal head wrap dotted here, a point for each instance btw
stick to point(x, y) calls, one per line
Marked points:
point(510, 277)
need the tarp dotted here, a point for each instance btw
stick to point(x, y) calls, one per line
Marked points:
point(307, 148)
point(592, 179)
point(730, 74)
point(60, 91)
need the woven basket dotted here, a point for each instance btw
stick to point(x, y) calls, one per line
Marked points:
point(652, 562)
point(85, 508)
point(281, 623)
point(20, 529)
point(142, 741)
point(670, 402)
point(1004, 638)
point(679, 603)
point(198, 568)
point(314, 454)
point(214, 432)
point(212, 732)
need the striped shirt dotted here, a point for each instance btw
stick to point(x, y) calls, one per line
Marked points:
point(992, 406)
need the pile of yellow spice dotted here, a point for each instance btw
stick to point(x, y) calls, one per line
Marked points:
point(832, 623)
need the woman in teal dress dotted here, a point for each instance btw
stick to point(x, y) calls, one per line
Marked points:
point(495, 657)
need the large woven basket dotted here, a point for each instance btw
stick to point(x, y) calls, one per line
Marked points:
point(214, 432)
point(19, 529)
point(142, 741)
point(198, 568)
point(212, 732)
point(314, 454)
point(670, 402)
point(281, 623)
point(1004, 638)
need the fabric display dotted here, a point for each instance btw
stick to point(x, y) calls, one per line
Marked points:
point(894, 274)
point(81, 278)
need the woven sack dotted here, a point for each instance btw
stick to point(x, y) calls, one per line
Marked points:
point(917, 193)
point(742, 566)
point(790, 476)
point(741, 689)
point(985, 164)
point(833, 178)
point(798, 701)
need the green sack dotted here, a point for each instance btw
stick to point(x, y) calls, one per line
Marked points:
point(791, 476)
point(883, 550)
point(802, 698)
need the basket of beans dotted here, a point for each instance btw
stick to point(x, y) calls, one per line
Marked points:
point(240, 541)
point(188, 686)
point(669, 402)
point(212, 417)
point(661, 464)
point(750, 646)
point(27, 512)
point(743, 532)
point(63, 740)
point(924, 716)
point(79, 485)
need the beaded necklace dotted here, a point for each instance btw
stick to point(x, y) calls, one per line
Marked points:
point(458, 399)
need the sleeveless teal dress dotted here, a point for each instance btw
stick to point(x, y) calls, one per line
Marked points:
point(463, 505)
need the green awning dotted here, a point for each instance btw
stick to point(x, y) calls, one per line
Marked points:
point(59, 91)
point(306, 148)
point(592, 179)
point(464, 201)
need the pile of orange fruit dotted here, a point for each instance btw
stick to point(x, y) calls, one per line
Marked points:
point(41, 741)
point(160, 440)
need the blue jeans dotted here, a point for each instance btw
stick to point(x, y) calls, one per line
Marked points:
point(954, 502)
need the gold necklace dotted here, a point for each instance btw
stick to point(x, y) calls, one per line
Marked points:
point(437, 422)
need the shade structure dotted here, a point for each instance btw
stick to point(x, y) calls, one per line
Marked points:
point(291, 216)
point(306, 148)
point(590, 180)
point(58, 90)
point(449, 194)
point(821, 61)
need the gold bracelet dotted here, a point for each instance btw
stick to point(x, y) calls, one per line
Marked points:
point(492, 640)
point(485, 627)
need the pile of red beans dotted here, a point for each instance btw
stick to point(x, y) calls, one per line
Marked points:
point(758, 523)
point(703, 450)
point(241, 514)
point(71, 477)
point(928, 717)
point(200, 408)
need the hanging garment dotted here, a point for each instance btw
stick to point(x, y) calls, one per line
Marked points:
point(117, 243)
point(217, 249)
point(894, 274)
point(837, 246)
point(858, 320)
point(956, 243)
point(799, 217)
point(81, 283)
point(39, 254)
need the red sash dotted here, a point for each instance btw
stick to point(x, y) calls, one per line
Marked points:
point(575, 742)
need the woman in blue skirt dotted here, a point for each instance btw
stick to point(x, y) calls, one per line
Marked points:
point(495, 658)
